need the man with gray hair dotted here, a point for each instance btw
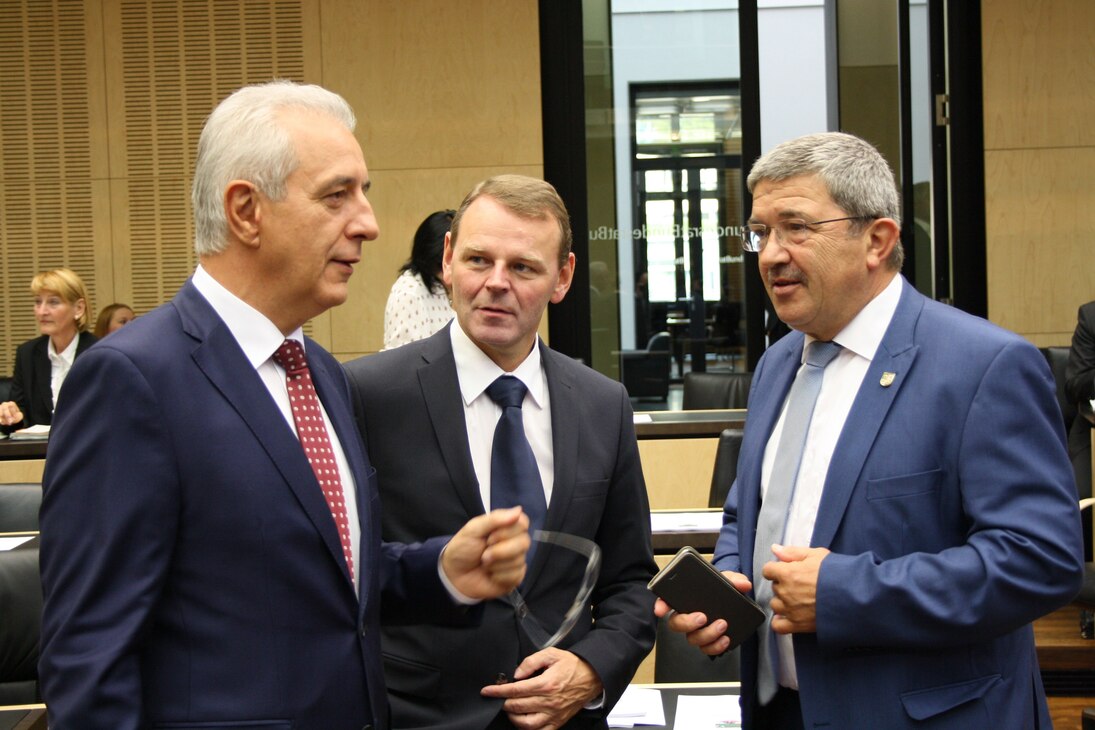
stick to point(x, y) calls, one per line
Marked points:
point(210, 550)
point(904, 505)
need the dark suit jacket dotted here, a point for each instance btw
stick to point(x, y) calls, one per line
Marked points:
point(31, 387)
point(192, 571)
point(951, 513)
point(1080, 386)
point(412, 419)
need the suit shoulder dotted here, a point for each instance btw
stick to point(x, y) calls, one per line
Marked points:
point(580, 375)
point(965, 330)
point(398, 359)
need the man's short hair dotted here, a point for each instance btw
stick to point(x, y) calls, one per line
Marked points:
point(527, 197)
point(857, 176)
point(244, 140)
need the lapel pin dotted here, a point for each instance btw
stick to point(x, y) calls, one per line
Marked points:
point(887, 379)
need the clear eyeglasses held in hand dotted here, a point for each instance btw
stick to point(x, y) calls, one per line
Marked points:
point(532, 626)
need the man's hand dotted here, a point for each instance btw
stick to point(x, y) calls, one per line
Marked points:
point(486, 559)
point(794, 588)
point(711, 640)
point(545, 701)
point(10, 413)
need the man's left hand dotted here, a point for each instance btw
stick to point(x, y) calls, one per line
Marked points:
point(545, 701)
point(486, 559)
point(794, 588)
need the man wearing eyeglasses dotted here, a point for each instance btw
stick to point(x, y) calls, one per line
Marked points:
point(429, 417)
point(904, 505)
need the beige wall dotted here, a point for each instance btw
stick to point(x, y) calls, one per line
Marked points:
point(103, 101)
point(1039, 96)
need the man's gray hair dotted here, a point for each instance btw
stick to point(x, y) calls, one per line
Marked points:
point(243, 140)
point(857, 176)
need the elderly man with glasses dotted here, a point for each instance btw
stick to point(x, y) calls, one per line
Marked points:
point(904, 505)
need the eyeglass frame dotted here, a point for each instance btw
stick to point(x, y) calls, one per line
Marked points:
point(747, 232)
point(531, 626)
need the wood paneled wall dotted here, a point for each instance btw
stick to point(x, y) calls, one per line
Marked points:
point(102, 102)
point(1039, 101)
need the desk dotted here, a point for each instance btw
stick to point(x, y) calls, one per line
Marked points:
point(670, 693)
point(23, 449)
point(678, 450)
point(22, 461)
point(23, 717)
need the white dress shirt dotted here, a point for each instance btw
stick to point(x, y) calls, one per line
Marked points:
point(59, 365)
point(475, 371)
point(860, 340)
point(259, 339)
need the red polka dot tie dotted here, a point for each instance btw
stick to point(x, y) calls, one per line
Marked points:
point(313, 436)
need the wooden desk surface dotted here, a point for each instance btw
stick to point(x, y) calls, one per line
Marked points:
point(30, 449)
point(23, 717)
point(687, 424)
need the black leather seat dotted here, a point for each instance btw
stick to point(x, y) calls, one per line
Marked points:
point(726, 465)
point(704, 391)
point(20, 627)
point(675, 660)
point(645, 373)
point(19, 505)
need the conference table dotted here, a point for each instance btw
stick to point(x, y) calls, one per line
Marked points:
point(23, 717)
point(671, 694)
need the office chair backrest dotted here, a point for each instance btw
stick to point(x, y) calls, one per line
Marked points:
point(19, 505)
point(704, 391)
point(20, 627)
point(675, 660)
point(1057, 357)
point(726, 465)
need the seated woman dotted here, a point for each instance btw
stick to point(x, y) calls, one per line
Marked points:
point(113, 318)
point(61, 309)
point(418, 304)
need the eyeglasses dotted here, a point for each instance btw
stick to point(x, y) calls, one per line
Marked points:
point(789, 231)
point(533, 627)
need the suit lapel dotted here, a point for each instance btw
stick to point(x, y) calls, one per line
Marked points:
point(885, 377)
point(220, 358)
point(441, 394)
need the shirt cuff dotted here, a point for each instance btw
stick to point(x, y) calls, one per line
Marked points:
point(456, 595)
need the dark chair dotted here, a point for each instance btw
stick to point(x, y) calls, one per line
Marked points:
point(726, 465)
point(703, 391)
point(645, 373)
point(19, 505)
point(1057, 357)
point(5, 388)
point(21, 626)
point(675, 660)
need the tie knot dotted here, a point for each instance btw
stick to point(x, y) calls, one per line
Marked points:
point(290, 355)
point(507, 391)
point(820, 354)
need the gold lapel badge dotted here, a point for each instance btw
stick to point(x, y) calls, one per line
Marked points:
point(887, 379)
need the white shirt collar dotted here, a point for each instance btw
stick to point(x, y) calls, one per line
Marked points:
point(476, 371)
point(257, 336)
point(68, 355)
point(864, 333)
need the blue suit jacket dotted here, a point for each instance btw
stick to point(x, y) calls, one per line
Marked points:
point(951, 514)
point(191, 568)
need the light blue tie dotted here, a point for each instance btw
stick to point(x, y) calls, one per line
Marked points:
point(777, 501)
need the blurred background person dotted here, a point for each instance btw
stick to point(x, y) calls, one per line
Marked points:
point(61, 310)
point(418, 304)
point(113, 317)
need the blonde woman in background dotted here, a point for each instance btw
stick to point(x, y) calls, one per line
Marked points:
point(61, 310)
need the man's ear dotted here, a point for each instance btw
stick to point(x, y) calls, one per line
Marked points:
point(446, 262)
point(883, 234)
point(242, 208)
point(566, 277)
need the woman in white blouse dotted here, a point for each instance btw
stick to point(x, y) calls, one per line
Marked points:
point(418, 304)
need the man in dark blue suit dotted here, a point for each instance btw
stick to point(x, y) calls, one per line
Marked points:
point(933, 516)
point(194, 572)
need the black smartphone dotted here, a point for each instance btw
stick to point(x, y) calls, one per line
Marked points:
point(689, 584)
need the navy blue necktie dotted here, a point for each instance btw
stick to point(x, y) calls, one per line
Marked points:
point(514, 476)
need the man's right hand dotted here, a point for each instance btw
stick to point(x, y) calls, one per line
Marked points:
point(711, 640)
point(10, 413)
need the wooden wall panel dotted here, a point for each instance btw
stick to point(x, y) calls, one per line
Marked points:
point(1039, 73)
point(1040, 220)
point(45, 157)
